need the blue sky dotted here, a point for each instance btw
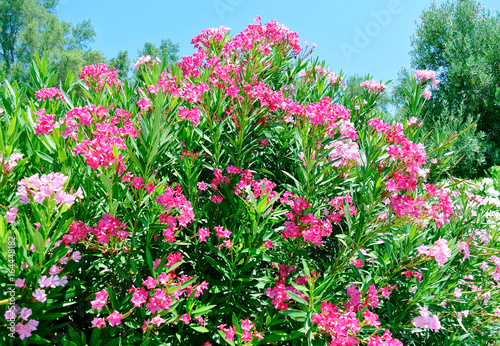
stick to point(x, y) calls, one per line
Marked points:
point(358, 36)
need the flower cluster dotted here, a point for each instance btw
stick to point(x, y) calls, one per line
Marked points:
point(425, 321)
point(9, 163)
point(47, 186)
point(178, 211)
point(23, 330)
point(146, 60)
point(98, 75)
point(157, 296)
point(344, 326)
point(49, 93)
point(100, 147)
point(108, 227)
point(249, 331)
point(439, 251)
point(376, 87)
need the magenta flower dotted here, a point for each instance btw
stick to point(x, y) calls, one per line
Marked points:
point(144, 104)
point(49, 93)
point(157, 320)
point(150, 188)
point(139, 297)
point(137, 182)
point(100, 301)
point(185, 318)
point(203, 233)
point(202, 186)
point(150, 283)
point(114, 319)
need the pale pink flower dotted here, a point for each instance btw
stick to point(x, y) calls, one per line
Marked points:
point(440, 251)
point(11, 215)
point(98, 322)
point(425, 321)
point(25, 313)
point(19, 283)
point(40, 295)
point(427, 94)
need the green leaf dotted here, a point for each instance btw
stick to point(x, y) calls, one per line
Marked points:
point(39, 243)
point(199, 328)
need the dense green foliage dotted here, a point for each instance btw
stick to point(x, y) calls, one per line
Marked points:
point(460, 40)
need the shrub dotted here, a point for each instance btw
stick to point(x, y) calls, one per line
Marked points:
point(236, 197)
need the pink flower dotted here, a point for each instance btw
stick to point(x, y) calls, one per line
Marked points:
point(114, 319)
point(386, 291)
point(150, 283)
point(40, 295)
point(139, 297)
point(422, 250)
point(202, 186)
point(100, 301)
point(24, 331)
point(192, 115)
point(371, 318)
point(268, 243)
point(11, 215)
point(358, 263)
point(19, 283)
point(98, 322)
point(217, 199)
point(247, 325)
point(427, 94)
point(203, 233)
point(12, 312)
point(150, 188)
point(222, 232)
point(185, 318)
point(25, 314)
point(46, 122)
point(440, 251)
point(54, 270)
point(425, 321)
point(137, 182)
point(76, 256)
point(49, 93)
point(146, 60)
point(144, 104)
point(376, 87)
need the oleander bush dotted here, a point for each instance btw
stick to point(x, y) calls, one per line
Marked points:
point(237, 197)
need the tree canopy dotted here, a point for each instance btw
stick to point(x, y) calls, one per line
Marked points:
point(460, 40)
point(29, 26)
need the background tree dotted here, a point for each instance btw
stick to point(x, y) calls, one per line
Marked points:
point(167, 51)
point(29, 26)
point(461, 40)
point(121, 63)
point(353, 88)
